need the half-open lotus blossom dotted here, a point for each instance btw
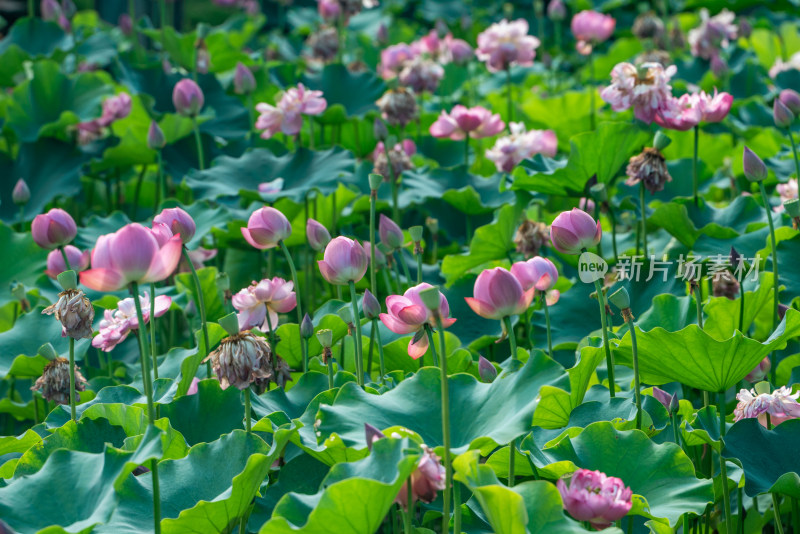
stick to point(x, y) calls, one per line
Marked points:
point(407, 314)
point(781, 405)
point(287, 115)
point(178, 222)
point(595, 497)
point(462, 121)
point(53, 229)
point(574, 230)
point(78, 261)
point(117, 324)
point(131, 254)
point(510, 150)
point(344, 260)
point(538, 273)
point(269, 296)
point(591, 27)
point(690, 109)
point(646, 89)
point(318, 236)
point(266, 227)
point(498, 294)
point(507, 43)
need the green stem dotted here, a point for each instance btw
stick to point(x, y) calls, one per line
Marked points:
point(201, 307)
point(408, 514)
point(72, 396)
point(456, 508)
point(200, 155)
point(547, 325)
point(723, 469)
point(403, 262)
point(419, 268)
point(22, 217)
point(643, 205)
point(395, 186)
point(66, 259)
point(161, 189)
point(305, 357)
point(776, 507)
point(613, 220)
point(35, 408)
point(381, 361)
point(694, 165)
point(31, 9)
point(592, 119)
point(303, 342)
point(794, 152)
point(466, 150)
point(371, 351)
point(357, 345)
point(508, 94)
point(445, 420)
point(144, 355)
point(387, 281)
point(512, 338)
point(153, 329)
point(636, 382)
point(247, 422)
point(373, 272)
point(330, 369)
point(609, 358)
point(674, 429)
point(741, 306)
point(156, 497)
point(775, 281)
point(512, 458)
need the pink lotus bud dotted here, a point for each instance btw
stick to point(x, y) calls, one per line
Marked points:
point(50, 10)
point(572, 231)
point(329, 9)
point(244, 82)
point(64, 23)
point(460, 50)
point(317, 235)
point(370, 305)
point(486, 370)
point(266, 227)
point(592, 27)
point(426, 480)
point(382, 35)
point(538, 273)
point(78, 261)
point(477, 122)
point(131, 254)
point(21, 194)
point(760, 372)
point(372, 434)
point(670, 402)
point(178, 221)
point(594, 497)
point(791, 99)
point(306, 326)
point(125, 24)
point(344, 261)
point(161, 232)
point(53, 229)
point(498, 294)
point(754, 168)
point(781, 114)
point(188, 98)
point(556, 10)
point(69, 9)
point(155, 137)
point(391, 235)
point(115, 108)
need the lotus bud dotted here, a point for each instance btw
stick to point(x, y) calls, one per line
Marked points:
point(391, 234)
point(50, 10)
point(188, 98)
point(620, 299)
point(69, 8)
point(661, 141)
point(21, 194)
point(155, 137)
point(431, 298)
point(670, 402)
point(344, 260)
point(735, 257)
point(241, 360)
point(373, 434)
point(754, 168)
point(54, 382)
point(370, 305)
point(53, 229)
point(266, 227)
point(556, 10)
point(306, 327)
point(244, 82)
point(48, 352)
point(745, 28)
point(178, 221)
point(573, 231)
point(317, 235)
point(791, 99)
point(125, 24)
point(380, 130)
point(325, 338)
point(486, 370)
point(230, 323)
point(781, 115)
point(375, 181)
point(73, 309)
point(382, 35)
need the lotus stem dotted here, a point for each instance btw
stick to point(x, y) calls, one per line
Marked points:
point(776, 281)
point(357, 345)
point(508, 94)
point(247, 422)
point(66, 259)
point(512, 338)
point(601, 299)
point(200, 155)
point(456, 508)
point(408, 514)
point(776, 507)
point(378, 342)
point(153, 329)
point(445, 419)
point(373, 273)
point(547, 325)
point(72, 409)
point(794, 152)
point(643, 205)
point(299, 307)
point(694, 166)
point(201, 307)
point(403, 262)
point(723, 470)
point(626, 313)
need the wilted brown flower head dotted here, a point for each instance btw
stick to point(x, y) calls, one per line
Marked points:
point(648, 26)
point(400, 160)
point(649, 167)
point(725, 285)
point(75, 312)
point(398, 106)
point(54, 382)
point(242, 359)
point(530, 237)
point(324, 44)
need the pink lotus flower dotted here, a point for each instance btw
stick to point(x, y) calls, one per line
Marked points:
point(266, 228)
point(344, 261)
point(53, 229)
point(267, 297)
point(329, 10)
point(594, 497)
point(459, 50)
point(509, 151)
point(117, 324)
point(781, 405)
point(646, 89)
point(690, 109)
point(507, 43)
point(287, 116)
point(591, 27)
point(115, 108)
point(538, 273)
point(760, 372)
point(394, 58)
point(426, 479)
point(317, 235)
point(78, 261)
point(787, 191)
point(188, 98)
point(476, 122)
point(715, 108)
point(574, 230)
point(407, 314)
point(178, 222)
point(244, 82)
point(714, 34)
point(131, 254)
point(498, 294)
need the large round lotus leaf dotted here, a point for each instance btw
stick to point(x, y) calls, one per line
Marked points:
point(36, 37)
point(766, 456)
point(29, 262)
point(355, 497)
point(480, 414)
point(661, 477)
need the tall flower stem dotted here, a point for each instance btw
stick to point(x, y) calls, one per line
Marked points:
point(776, 508)
point(404, 264)
point(66, 259)
point(161, 189)
point(628, 316)
point(456, 508)
point(381, 361)
point(445, 420)
point(776, 281)
point(330, 369)
point(694, 165)
point(592, 118)
point(201, 306)
point(247, 422)
point(419, 266)
point(508, 94)
point(31, 9)
point(723, 470)
point(151, 411)
point(794, 152)
point(357, 341)
point(643, 207)
point(153, 329)
point(466, 150)
point(408, 515)
point(512, 338)
point(373, 274)
point(547, 325)
point(299, 308)
point(72, 397)
point(200, 155)
point(741, 306)
point(601, 299)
